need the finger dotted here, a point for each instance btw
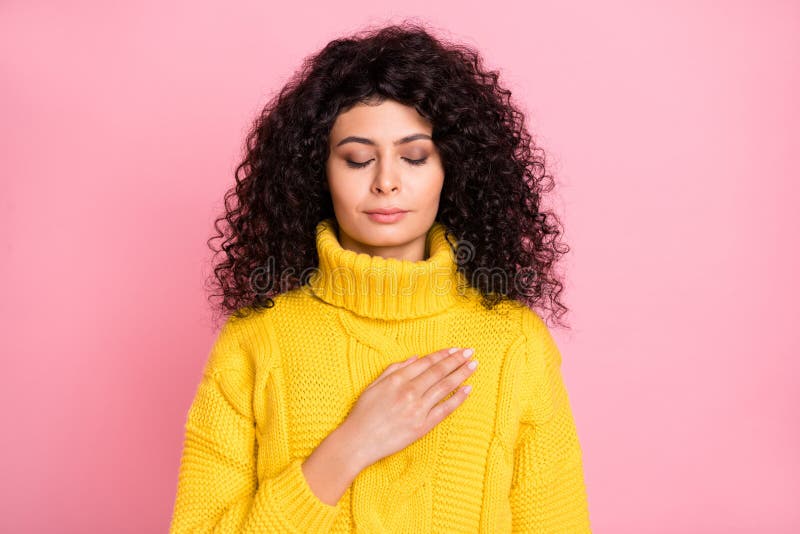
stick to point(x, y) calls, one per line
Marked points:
point(396, 365)
point(439, 371)
point(448, 406)
point(424, 363)
point(445, 387)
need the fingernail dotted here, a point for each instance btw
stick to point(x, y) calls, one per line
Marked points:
point(467, 353)
point(453, 350)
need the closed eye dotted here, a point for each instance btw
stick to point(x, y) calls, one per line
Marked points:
point(359, 165)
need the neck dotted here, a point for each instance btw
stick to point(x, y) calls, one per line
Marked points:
point(386, 287)
point(416, 250)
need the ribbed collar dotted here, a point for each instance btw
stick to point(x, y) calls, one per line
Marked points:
point(386, 288)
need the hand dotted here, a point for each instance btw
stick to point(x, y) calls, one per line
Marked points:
point(402, 404)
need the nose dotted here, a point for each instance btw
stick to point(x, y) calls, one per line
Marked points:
point(387, 180)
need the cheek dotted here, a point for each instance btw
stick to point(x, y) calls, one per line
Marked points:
point(341, 198)
point(345, 195)
point(433, 186)
point(336, 185)
point(425, 187)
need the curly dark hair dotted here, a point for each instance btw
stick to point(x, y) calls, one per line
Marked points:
point(494, 176)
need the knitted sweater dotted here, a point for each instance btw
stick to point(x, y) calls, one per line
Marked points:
point(277, 382)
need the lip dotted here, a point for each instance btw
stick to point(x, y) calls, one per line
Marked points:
point(386, 215)
point(387, 211)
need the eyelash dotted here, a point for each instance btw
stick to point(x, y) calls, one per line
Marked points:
point(415, 162)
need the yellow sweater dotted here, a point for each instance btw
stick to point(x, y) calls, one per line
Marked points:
point(278, 382)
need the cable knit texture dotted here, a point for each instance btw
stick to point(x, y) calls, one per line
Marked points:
point(278, 382)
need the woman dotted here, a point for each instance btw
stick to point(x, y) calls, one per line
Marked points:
point(386, 234)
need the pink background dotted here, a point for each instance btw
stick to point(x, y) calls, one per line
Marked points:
point(672, 130)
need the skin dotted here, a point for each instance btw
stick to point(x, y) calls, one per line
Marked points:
point(399, 407)
point(407, 400)
point(389, 178)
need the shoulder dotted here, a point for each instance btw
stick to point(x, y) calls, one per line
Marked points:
point(525, 327)
point(538, 337)
point(251, 338)
point(243, 350)
point(242, 343)
point(536, 364)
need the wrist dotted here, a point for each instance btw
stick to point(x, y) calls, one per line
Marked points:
point(347, 450)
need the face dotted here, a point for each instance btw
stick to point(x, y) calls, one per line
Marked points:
point(382, 157)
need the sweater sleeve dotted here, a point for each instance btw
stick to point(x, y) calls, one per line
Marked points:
point(218, 487)
point(548, 493)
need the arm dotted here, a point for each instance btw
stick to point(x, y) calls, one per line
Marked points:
point(548, 494)
point(218, 487)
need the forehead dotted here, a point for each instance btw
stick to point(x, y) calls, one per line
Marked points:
point(384, 123)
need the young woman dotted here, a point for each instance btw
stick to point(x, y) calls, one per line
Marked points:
point(384, 235)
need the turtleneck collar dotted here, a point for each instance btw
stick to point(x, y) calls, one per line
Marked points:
point(386, 288)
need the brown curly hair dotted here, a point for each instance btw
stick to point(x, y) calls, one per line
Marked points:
point(494, 183)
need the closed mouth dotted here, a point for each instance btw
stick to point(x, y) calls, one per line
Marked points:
point(387, 212)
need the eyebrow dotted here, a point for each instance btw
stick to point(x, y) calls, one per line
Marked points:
point(365, 141)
